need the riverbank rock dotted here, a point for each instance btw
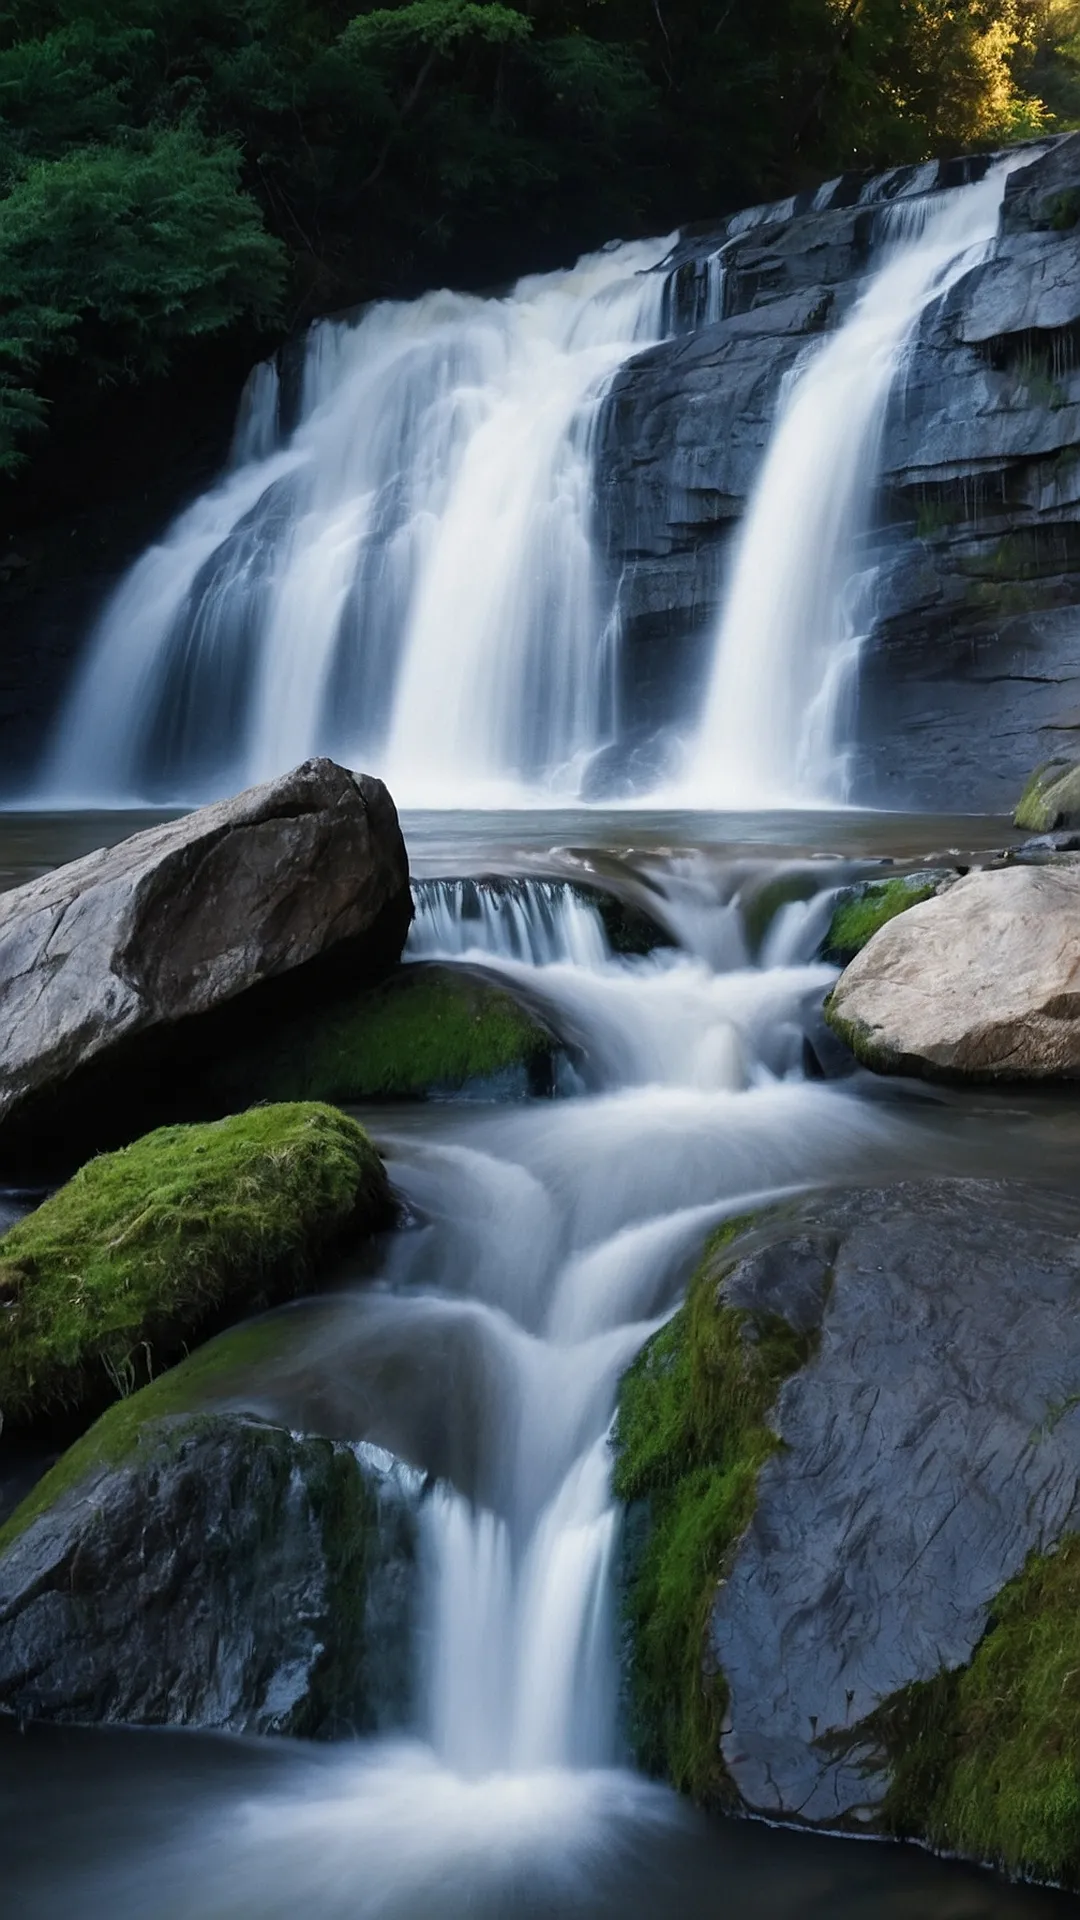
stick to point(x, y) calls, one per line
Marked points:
point(982, 982)
point(151, 1248)
point(209, 1570)
point(853, 1559)
point(174, 921)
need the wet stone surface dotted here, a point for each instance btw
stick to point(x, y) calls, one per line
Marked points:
point(931, 1444)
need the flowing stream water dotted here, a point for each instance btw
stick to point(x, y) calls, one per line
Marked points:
point(402, 575)
point(800, 600)
point(549, 1238)
point(399, 568)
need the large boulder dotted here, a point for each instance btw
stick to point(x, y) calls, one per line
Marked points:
point(210, 1570)
point(177, 920)
point(151, 1248)
point(981, 982)
point(851, 1454)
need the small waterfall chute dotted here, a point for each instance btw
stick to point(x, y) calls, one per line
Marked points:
point(800, 594)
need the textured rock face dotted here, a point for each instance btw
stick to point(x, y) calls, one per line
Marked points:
point(228, 1575)
point(927, 1448)
point(981, 981)
point(968, 677)
point(179, 919)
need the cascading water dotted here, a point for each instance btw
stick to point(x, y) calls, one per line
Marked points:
point(549, 1239)
point(406, 580)
point(799, 599)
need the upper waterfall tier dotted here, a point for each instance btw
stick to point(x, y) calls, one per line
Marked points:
point(482, 545)
point(404, 577)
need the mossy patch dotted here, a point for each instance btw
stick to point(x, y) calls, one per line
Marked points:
point(691, 1433)
point(424, 1029)
point(152, 1247)
point(985, 1761)
point(860, 911)
point(1051, 798)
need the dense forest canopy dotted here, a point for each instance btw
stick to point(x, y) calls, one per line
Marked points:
point(176, 168)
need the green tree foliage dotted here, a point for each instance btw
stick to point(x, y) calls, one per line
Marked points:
point(172, 168)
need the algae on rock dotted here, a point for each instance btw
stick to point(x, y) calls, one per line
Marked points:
point(156, 1245)
point(985, 1760)
point(425, 1028)
point(1051, 798)
point(862, 909)
point(691, 1432)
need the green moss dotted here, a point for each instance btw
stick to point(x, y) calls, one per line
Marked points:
point(935, 513)
point(1061, 211)
point(216, 1376)
point(856, 1035)
point(150, 1247)
point(986, 1760)
point(859, 912)
point(1051, 798)
point(691, 1434)
point(423, 1028)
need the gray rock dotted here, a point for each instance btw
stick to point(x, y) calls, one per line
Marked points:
point(929, 1446)
point(229, 1575)
point(981, 982)
point(185, 916)
point(967, 678)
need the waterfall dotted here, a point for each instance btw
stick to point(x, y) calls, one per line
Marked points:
point(405, 580)
point(539, 921)
point(800, 595)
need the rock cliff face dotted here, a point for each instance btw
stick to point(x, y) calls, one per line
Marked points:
point(968, 676)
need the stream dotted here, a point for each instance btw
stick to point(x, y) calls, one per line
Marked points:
point(482, 1345)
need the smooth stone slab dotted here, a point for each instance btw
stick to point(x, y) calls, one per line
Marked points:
point(185, 916)
point(980, 982)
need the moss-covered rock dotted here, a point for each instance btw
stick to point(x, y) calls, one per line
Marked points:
point(210, 1570)
point(150, 1248)
point(864, 1624)
point(1051, 798)
point(691, 1433)
point(426, 1029)
point(985, 1760)
point(860, 910)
